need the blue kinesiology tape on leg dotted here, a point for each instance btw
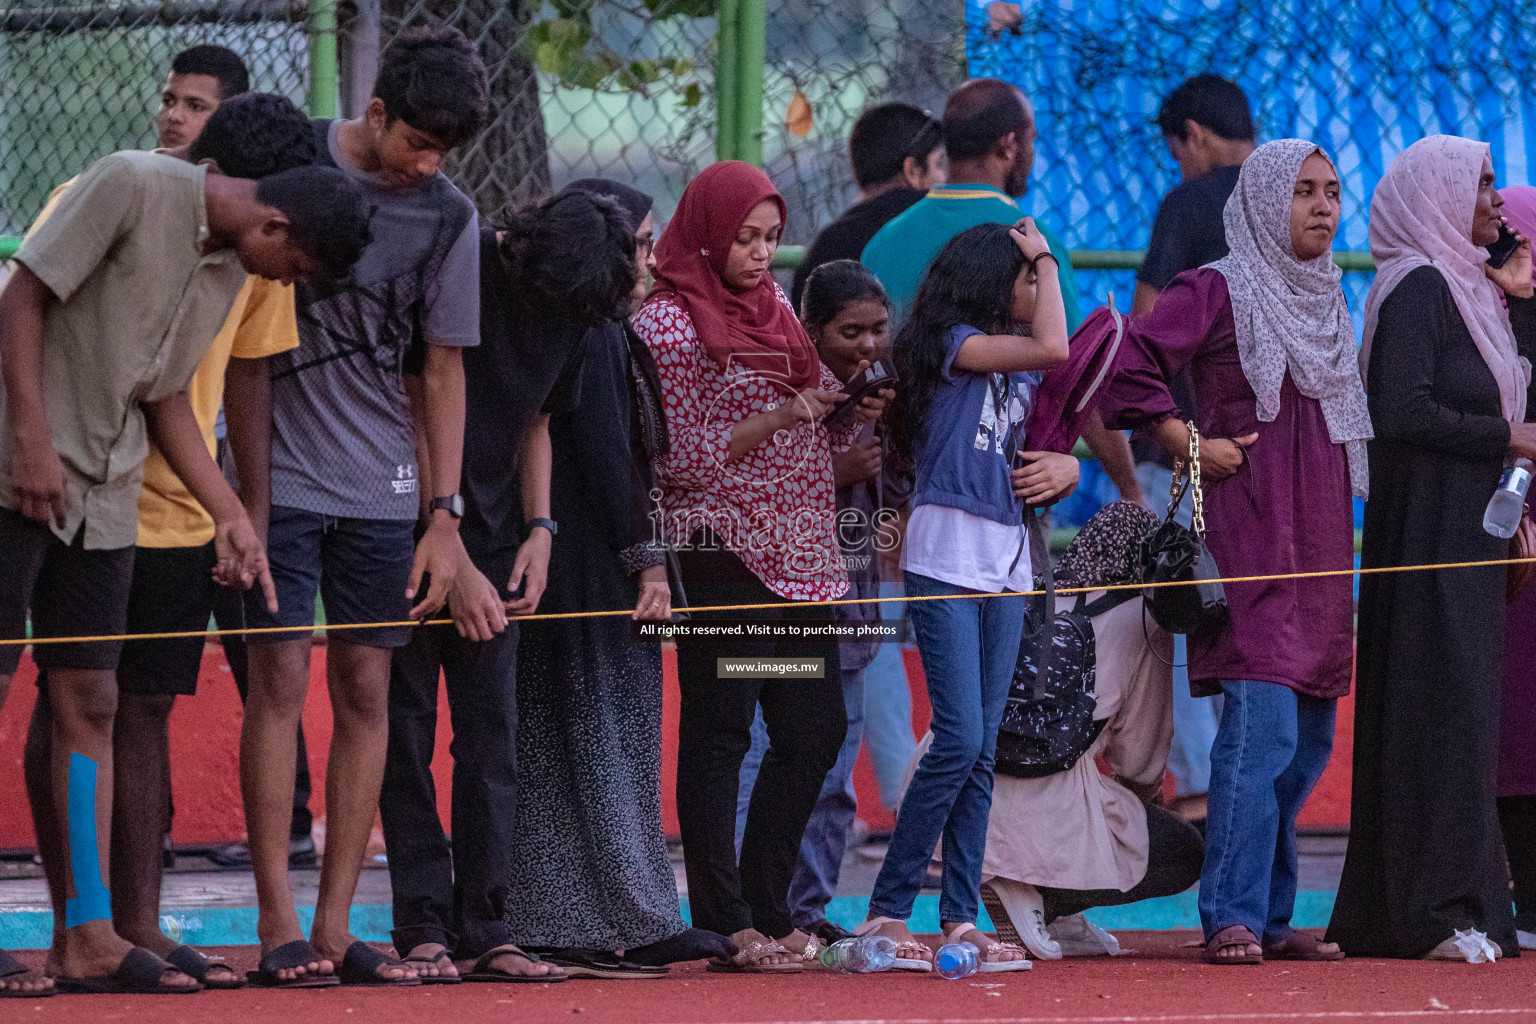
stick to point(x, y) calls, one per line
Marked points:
point(91, 901)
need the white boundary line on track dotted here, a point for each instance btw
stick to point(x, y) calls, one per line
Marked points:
point(1178, 1018)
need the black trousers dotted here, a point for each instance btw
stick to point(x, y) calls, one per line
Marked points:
point(1517, 818)
point(456, 895)
point(1174, 856)
point(229, 613)
point(806, 724)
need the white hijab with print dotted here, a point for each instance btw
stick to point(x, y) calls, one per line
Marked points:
point(1421, 216)
point(1290, 314)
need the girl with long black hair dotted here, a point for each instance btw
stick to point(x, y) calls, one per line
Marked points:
point(983, 325)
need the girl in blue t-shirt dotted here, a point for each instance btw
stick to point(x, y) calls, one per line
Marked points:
point(982, 328)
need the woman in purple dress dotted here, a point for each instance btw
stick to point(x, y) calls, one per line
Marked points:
point(1267, 338)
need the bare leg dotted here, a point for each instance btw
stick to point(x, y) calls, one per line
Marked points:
point(358, 678)
point(279, 680)
point(141, 791)
point(29, 982)
point(38, 769)
point(83, 703)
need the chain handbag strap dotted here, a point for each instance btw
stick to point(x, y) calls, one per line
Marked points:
point(1190, 481)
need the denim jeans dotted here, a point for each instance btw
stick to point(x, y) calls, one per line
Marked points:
point(1271, 748)
point(888, 712)
point(969, 648)
point(826, 835)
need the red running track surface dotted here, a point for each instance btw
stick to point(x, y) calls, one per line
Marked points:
point(1161, 982)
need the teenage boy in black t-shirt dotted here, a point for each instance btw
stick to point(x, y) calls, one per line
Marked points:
point(897, 152)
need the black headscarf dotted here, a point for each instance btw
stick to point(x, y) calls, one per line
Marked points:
point(636, 203)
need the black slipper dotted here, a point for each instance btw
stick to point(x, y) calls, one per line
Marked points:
point(692, 944)
point(140, 974)
point(297, 953)
point(360, 967)
point(428, 961)
point(10, 967)
point(600, 963)
point(483, 971)
point(196, 966)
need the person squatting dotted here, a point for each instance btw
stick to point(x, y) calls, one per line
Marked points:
point(280, 359)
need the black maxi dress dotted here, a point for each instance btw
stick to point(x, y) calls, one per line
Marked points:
point(590, 856)
point(1425, 854)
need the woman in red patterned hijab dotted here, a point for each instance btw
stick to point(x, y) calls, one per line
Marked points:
point(713, 261)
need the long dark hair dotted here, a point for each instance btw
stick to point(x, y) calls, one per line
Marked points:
point(970, 282)
point(831, 287)
point(572, 255)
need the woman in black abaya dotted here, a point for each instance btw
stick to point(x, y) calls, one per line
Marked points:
point(590, 855)
point(1425, 874)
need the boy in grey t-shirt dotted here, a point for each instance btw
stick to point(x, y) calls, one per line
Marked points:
point(347, 490)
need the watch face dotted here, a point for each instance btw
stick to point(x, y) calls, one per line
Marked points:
point(454, 505)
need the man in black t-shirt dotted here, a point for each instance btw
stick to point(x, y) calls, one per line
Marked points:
point(1209, 131)
point(898, 155)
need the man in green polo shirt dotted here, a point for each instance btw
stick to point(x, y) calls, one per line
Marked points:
point(989, 133)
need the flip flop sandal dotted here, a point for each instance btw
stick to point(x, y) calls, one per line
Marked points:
point(750, 961)
point(297, 953)
point(360, 968)
point(483, 971)
point(909, 952)
point(1232, 937)
point(987, 947)
point(594, 963)
point(140, 974)
point(10, 967)
point(1301, 946)
point(196, 966)
point(431, 961)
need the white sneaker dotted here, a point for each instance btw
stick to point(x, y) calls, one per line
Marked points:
point(1527, 939)
point(1078, 936)
point(1023, 908)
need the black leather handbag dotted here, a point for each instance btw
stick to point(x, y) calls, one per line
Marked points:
point(1189, 597)
point(1048, 722)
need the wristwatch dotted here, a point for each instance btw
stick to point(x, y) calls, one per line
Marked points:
point(548, 524)
point(453, 505)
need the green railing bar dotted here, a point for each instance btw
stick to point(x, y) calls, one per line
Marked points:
point(727, 78)
point(752, 58)
point(791, 256)
point(8, 246)
point(324, 78)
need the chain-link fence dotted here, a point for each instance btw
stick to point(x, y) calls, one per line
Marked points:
point(626, 89)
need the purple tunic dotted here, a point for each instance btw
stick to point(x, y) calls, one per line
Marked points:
point(1287, 509)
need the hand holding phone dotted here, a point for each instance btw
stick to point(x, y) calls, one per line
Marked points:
point(874, 378)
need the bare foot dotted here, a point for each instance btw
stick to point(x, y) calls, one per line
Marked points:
point(991, 950)
point(749, 937)
point(424, 959)
point(335, 953)
point(907, 945)
point(314, 968)
point(1233, 952)
point(94, 950)
point(797, 941)
point(26, 982)
point(514, 962)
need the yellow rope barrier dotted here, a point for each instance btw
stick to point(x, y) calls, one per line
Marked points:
point(550, 616)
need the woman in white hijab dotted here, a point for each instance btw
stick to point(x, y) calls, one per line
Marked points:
point(1270, 346)
point(1425, 874)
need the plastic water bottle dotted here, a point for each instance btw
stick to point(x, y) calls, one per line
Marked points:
point(1508, 502)
point(864, 955)
point(956, 960)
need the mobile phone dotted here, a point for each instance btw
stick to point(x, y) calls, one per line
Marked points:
point(875, 377)
point(1501, 250)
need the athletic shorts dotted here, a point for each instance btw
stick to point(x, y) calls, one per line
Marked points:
point(359, 567)
point(68, 590)
point(173, 592)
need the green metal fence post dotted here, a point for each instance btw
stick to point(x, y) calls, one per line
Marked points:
point(727, 78)
point(751, 40)
point(324, 80)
